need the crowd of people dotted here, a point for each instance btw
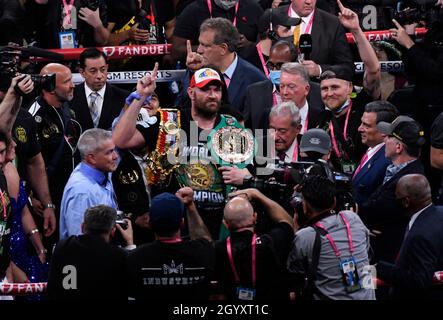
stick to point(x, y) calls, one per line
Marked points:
point(274, 172)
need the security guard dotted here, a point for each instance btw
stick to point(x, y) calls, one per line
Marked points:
point(57, 130)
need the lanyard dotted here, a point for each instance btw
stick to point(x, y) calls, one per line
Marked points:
point(262, 60)
point(295, 153)
point(309, 25)
point(151, 16)
point(3, 204)
point(332, 242)
point(235, 14)
point(231, 260)
point(175, 240)
point(345, 130)
point(68, 9)
point(306, 123)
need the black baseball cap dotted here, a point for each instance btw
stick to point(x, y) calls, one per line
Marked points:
point(276, 18)
point(405, 129)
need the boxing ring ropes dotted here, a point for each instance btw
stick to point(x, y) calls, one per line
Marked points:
point(121, 52)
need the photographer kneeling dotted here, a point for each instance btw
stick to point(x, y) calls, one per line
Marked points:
point(251, 266)
point(88, 266)
point(329, 257)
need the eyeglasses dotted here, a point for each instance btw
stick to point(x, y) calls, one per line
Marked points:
point(271, 66)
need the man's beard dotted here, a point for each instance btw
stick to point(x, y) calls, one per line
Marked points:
point(225, 4)
point(63, 98)
point(205, 112)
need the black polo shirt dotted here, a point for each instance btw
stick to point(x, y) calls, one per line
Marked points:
point(24, 133)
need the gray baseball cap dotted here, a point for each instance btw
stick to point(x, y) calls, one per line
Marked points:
point(315, 140)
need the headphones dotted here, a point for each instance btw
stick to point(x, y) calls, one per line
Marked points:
point(271, 34)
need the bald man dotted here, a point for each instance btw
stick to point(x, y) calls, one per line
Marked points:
point(421, 253)
point(57, 131)
point(237, 252)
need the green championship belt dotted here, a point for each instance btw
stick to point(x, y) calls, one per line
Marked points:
point(231, 144)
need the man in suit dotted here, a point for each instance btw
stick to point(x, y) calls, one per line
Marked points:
point(382, 214)
point(329, 45)
point(218, 43)
point(421, 253)
point(262, 96)
point(96, 103)
point(371, 170)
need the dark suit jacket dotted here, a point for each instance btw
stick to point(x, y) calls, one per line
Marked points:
point(113, 103)
point(421, 255)
point(330, 48)
point(244, 75)
point(384, 213)
point(370, 176)
point(258, 105)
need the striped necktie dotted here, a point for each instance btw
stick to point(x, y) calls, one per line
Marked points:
point(93, 108)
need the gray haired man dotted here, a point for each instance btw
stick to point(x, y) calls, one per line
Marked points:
point(89, 184)
point(285, 120)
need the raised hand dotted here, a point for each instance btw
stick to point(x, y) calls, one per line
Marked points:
point(90, 17)
point(348, 18)
point(147, 84)
point(186, 195)
point(400, 35)
point(194, 60)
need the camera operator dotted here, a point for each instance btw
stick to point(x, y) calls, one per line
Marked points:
point(12, 100)
point(270, 254)
point(90, 183)
point(98, 266)
point(312, 256)
point(315, 146)
point(424, 61)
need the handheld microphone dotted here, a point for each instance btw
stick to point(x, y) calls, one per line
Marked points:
point(305, 45)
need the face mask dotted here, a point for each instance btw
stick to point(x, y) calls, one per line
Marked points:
point(225, 4)
point(274, 76)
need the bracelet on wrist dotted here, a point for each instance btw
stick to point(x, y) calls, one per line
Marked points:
point(136, 96)
point(41, 251)
point(32, 232)
point(49, 205)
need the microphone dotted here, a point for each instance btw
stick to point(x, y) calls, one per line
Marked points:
point(305, 46)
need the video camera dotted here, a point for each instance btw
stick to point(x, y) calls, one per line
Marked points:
point(280, 185)
point(413, 11)
point(10, 59)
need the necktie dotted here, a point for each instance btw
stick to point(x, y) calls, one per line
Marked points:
point(281, 155)
point(400, 252)
point(227, 80)
point(93, 108)
point(297, 34)
point(362, 163)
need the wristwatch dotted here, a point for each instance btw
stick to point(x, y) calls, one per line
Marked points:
point(49, 205)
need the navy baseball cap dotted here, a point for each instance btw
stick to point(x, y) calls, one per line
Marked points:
point(166, 212)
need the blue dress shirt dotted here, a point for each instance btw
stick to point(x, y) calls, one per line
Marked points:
point(86, 187)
